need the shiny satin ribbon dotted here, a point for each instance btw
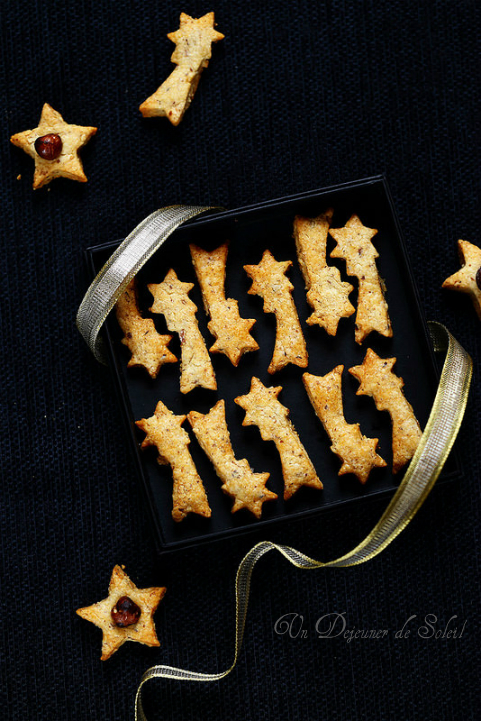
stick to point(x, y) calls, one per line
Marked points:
point(434, 447)
point(426, 465)
point(123, 264)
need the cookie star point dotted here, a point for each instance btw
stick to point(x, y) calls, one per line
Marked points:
point(54, 146)
point(373, 366)
point(263, 395)
point(468, 278)
point(126, 614)
point(204, 24)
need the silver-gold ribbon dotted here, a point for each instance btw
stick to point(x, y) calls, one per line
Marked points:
point(123, 264)
point(426, 465)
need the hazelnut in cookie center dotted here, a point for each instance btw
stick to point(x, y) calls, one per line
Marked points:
point(125, 612)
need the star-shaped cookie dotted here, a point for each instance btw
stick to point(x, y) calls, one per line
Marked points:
point(126, 614)
point(171, 298)
point(355, 247)
point(193, 51)
point(148, 348)
point(54, 146)
point(468, 279)
point(270, 282)
point(377, 379)
point(164, 431)
point(265, 411)
point(226, 325)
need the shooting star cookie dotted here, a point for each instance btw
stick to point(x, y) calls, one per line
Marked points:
point(171, 298)
point(355, 247)
point(270, 282)
point(468, 279)
point(272, 418)
point(357, 453)
point(248, 489)
point(378, 381)
point(229, 329)
point(193, 51)
point(327, 294)
point(163, 430)
point(148, 348)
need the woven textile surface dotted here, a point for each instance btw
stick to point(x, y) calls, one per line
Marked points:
point(299, 95)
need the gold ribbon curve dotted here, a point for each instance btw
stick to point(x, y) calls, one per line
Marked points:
point(426, 465)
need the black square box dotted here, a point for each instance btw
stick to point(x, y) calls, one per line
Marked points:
point(250, 230)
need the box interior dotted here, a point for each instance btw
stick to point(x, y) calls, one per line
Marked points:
point(249, 232)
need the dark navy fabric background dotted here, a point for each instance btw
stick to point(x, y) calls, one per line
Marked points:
point(300, 94)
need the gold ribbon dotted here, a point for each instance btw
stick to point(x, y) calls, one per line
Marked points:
point(434, 447)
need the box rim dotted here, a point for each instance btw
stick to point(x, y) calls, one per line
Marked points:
point(162, 545)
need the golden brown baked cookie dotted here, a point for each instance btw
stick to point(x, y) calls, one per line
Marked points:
point(163, 430)
point(193, 51)
point(126, 614)
point(171, 298)
point(272, 418)
point(226, 325)
point(148, 348)
point(269, 280)
point(357, 453)
point(54, 146)
point(355, 247)
point(248, 489)
point(468, 279)
point(327, 294)
point(378, 381)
